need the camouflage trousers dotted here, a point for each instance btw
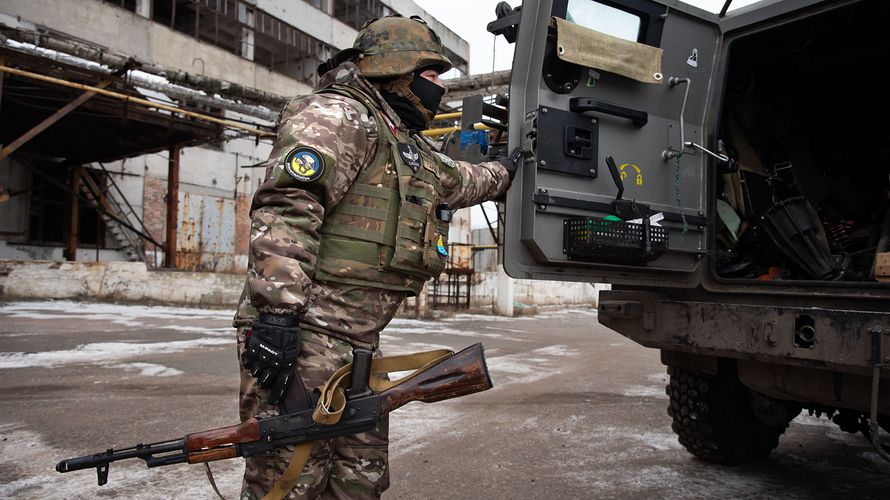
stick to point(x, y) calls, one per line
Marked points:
point(348, 467)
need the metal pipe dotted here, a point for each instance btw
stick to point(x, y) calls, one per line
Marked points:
point(436, 132)
point(668, 154)
point(448, 116)
point(135, 100)
point(117, 61)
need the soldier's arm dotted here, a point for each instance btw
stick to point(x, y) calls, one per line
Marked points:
point(322, 143)
point(468, 184)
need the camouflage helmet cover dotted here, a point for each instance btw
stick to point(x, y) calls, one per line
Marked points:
point(394, 45)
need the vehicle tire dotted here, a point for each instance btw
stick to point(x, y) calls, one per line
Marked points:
point(714, 416)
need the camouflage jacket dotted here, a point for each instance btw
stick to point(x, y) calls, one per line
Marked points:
point(286, 216)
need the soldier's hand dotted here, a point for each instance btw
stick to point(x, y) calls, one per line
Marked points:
point(512, 161)
point(270, 352)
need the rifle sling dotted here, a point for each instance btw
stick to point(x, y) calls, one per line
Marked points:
point(290, 477)
point(332, 402)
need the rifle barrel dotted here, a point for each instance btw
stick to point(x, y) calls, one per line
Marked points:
point(146, 452)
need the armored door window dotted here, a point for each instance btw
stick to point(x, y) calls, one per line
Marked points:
point(604, 18)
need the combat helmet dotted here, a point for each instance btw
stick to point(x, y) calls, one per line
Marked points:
point(394, 45)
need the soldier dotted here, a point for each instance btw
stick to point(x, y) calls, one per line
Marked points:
point(351, 219)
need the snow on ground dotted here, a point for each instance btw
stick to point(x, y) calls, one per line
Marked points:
point(100, 352)
point(22, 454)
point(410, 425)
point(653, 390)
point(526, 367)
point(226, 331)
point(148, 369)
point(432, 328)
point(116, 354)
point(125, 314)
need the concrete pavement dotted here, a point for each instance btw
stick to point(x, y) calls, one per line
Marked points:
point(577, 412)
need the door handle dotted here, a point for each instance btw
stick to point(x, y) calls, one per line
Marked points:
point(584, 104)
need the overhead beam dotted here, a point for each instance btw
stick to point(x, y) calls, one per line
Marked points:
point(117, 61)
point(478, 83)
point(53, 118)
point(136, 100)
point(152, 82)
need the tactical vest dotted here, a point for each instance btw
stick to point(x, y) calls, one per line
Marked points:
point(385, 231)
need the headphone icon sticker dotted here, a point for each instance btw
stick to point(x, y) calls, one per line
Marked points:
point(639, 179)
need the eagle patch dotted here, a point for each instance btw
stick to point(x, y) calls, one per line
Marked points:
point(410, 155)
point(304, 164)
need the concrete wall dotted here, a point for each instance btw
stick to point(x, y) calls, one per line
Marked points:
point(324, 27)
point(310, 20)
point(532, 292)
point(131, 282)
point(131, 34)
point(115, 282)
point(449, 38)
point(16, 251)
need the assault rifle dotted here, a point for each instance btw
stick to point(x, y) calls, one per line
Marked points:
point(445, 376)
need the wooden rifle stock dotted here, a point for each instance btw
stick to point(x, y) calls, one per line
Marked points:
point(219, 444)
point(463, 373)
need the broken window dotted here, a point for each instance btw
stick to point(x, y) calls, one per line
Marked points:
point(355, 13)
point(124, 4)
point(239, 27)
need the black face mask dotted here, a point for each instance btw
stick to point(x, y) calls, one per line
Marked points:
point(407, 111)
point(429, 93)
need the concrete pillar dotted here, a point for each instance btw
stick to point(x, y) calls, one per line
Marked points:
point(143, 8)
point(422, 303)
point(504, 293)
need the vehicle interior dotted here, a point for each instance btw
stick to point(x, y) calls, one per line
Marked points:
point(804, 119)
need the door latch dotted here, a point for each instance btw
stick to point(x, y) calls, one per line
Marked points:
point(669, 153)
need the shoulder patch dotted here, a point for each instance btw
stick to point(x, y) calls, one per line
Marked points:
point(410, 155)
point(445, 159)
point(304, 164)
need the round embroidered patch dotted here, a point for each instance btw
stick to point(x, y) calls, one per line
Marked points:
point(304, 164)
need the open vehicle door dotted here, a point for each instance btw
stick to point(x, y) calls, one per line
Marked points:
point(603, 96)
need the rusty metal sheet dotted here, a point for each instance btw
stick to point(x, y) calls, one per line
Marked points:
point(207, 234)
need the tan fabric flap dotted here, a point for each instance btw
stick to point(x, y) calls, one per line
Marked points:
point(586, 47)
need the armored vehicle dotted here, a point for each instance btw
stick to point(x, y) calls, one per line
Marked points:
point(728, 175)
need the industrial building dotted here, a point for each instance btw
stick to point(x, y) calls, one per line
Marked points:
point(234, 60)
point(135, 132)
